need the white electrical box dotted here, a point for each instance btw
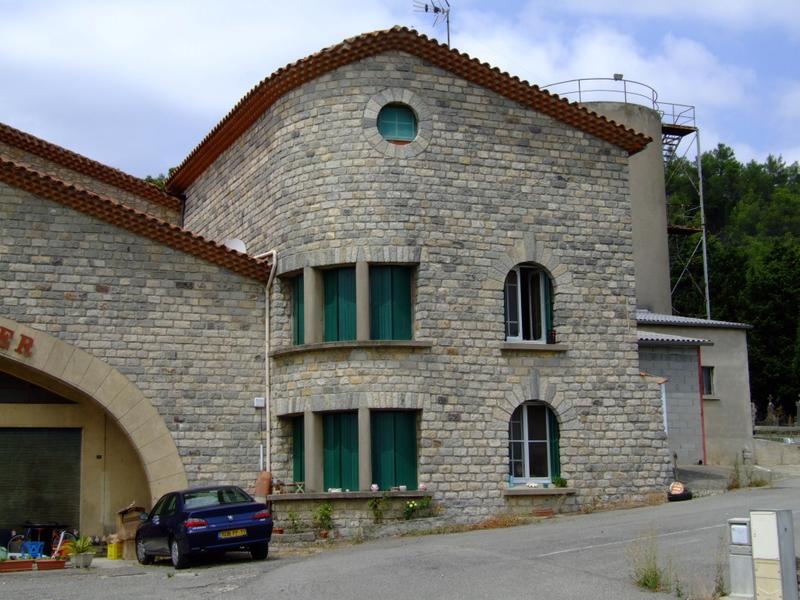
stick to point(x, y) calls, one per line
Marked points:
point(773, 554)
point(259, 402)
point(740, 560)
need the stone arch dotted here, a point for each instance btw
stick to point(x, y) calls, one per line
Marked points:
point(537, 387)
point(529, 249)
point(76, 374)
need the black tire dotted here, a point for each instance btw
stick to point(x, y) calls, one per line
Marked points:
point(179, 558)
point(259, 551)
point(141, 554)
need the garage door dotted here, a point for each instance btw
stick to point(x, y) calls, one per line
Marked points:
point(39, 476)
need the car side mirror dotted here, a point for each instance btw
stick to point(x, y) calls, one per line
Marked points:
point(143, 517)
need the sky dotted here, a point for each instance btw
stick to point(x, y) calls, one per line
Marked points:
point(137, 84)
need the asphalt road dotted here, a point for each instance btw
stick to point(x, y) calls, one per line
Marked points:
point(580, 556)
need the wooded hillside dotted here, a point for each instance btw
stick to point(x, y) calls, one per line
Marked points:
point(753, 219)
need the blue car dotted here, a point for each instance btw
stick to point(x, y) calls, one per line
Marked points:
point(208, 519)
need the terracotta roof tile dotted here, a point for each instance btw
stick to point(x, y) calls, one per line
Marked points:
point(29, 179)
point(86, 166)
point(266, 93)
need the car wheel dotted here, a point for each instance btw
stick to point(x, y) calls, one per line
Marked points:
point(141, 554)
point(259, 551)
point(179, 558)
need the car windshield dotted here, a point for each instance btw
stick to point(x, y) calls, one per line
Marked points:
point(214, 497)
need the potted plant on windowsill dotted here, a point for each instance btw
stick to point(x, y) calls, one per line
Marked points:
point(80, 552)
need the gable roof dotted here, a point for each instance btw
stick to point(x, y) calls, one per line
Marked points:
point(86, 166)
point(292, 76)
point(27, 178)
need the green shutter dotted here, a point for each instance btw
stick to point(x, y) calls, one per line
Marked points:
point(331, 443)
point(390, 303)
point(339, 314)
point(380, 305)
point(331, 308)
point(349, 454)
point(394, 449)
point(340, 451)
point(298, 449)
point(401, 303)
point(383, 449)
point(347, 303)
point(405, 439)
point(298, 310)
point(554, 439)
point(548, 306)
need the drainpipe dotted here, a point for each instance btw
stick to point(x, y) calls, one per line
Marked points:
point(702, 412)
point(265, 459)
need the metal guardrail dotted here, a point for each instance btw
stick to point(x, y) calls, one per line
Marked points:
point(615, 89)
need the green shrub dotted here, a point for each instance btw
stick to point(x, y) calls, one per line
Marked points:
point(323, 517)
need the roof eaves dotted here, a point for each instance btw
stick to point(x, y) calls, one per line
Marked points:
point(647, 338)
point(86, 166)
point(645, 317)
point(29, 179)
point(285, 79)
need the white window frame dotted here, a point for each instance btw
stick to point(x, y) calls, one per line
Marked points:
point(525, 442)
point(542, 305)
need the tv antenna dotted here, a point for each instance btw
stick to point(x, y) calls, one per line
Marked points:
point(440, 10)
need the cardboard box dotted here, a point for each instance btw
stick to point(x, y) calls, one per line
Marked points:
point(128, 521)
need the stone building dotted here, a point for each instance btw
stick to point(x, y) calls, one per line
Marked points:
point(437, 290)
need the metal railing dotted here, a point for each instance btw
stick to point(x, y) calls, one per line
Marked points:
point(628, 91)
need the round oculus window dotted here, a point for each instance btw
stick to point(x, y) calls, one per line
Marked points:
point(397, 123)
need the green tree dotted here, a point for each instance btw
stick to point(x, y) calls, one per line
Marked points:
point(753, 224)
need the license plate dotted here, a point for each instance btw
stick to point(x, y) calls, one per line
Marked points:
point(232, 533)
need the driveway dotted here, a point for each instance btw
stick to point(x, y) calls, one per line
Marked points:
point(579, 556)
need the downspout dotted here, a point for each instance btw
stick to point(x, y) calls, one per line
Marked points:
point(265, 459)
point(702, 414)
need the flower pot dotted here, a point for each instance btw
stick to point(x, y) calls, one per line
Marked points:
point(7, 566)
point(50, 565)
point(83, 560)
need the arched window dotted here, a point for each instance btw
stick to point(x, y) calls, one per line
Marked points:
point(529, 305)
point(533, 438)
point(397, 123)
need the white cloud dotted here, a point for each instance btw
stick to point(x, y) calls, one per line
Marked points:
point(738, 14)
point(206, 52)
point(88, 73)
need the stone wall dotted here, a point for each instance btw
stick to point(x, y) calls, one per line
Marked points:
point(187, 333)
point(487, 184)
point(679, 366)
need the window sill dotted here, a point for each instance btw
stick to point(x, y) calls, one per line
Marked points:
point(346, 495)
point(413, 344)
point(711, 397)
point(533, 347)
point(523, 490)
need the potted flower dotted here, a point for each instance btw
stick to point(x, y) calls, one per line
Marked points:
point(80, 552)
point(323, 519)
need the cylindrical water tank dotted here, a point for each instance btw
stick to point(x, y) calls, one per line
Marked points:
point(649, 204)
